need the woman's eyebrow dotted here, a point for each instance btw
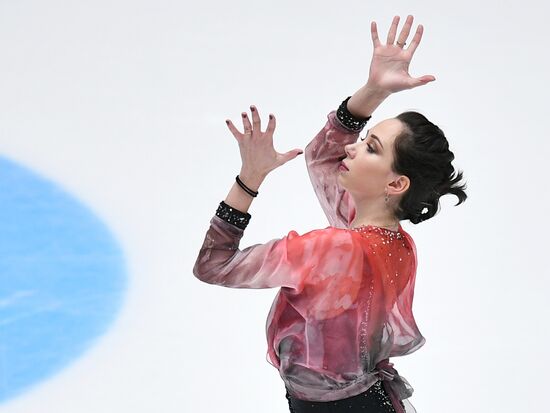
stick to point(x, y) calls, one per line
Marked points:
point(376, 137)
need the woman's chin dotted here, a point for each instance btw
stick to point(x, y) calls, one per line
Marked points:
point(340, 175)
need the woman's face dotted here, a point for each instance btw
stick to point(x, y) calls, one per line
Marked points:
point(369, 161)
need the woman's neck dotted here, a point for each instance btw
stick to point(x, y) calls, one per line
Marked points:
point(375, 213)
point(391, 223)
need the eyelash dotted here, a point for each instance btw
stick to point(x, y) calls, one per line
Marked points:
point(369, 148)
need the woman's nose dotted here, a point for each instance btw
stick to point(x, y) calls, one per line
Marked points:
point(347, 149)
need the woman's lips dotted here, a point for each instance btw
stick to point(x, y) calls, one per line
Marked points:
point(343, 167)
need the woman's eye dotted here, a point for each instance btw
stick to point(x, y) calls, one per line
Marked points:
point(369, 148)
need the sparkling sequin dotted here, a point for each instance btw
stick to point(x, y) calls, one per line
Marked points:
point(375, 398)
point(348, 120)
point(233, 216)
point(391, 234)
point(364, 347)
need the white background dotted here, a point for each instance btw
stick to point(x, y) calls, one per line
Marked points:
point(123, 103)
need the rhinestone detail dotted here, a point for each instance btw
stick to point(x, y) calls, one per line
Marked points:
point(233, 216)
point(382, 231)
point(349, 121)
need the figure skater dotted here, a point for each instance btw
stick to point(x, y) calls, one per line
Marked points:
point(344, 304)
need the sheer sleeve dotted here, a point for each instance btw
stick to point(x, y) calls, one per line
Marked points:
point(280, 262)
point(322, 156)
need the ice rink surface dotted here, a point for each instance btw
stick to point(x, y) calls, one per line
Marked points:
point(63, 279)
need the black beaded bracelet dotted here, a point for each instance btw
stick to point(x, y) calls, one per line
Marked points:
point(349, 121)
point(233, 216)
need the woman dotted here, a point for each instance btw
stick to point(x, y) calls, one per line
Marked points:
point(345, 301)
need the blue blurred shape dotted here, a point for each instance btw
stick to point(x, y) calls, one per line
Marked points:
point(62, 279)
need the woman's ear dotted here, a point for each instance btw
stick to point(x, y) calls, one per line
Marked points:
point(399, 185)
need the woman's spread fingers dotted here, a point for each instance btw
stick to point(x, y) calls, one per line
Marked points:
point(246, 123)
point(233, 129)
point(374, 34)
point(406, 30)
point(393, 30)
point(256, 122)
point(416, 39)
point(271, 124)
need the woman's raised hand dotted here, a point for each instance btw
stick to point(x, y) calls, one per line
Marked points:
point(257, 153)
point(389, 69)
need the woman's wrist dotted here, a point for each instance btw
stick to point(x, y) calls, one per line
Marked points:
point(363, 102)
point(233, 215)
point(251, 179)
point(237, 197)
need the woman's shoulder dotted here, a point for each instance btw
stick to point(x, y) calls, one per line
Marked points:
point(365, 237)
point(373, 237)
point(325, 239)
point(331, 232)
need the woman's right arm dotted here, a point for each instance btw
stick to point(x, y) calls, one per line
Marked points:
point(388, 74)
point(325, 151)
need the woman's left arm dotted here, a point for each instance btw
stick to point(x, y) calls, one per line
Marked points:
point(262, 265)
point(280, 262)
point(329, 258)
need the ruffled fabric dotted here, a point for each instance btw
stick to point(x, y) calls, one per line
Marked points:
point(397, 387)
point(344, 304)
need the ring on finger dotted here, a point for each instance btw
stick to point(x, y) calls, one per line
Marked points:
point(401, 44)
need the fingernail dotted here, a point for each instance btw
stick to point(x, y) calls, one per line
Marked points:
point(270, 116)
point(243, 115)
point(227, 122)
point(252, 108)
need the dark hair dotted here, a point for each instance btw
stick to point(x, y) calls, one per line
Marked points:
point(421, 152)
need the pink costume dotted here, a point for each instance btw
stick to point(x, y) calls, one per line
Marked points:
point(344, 306)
